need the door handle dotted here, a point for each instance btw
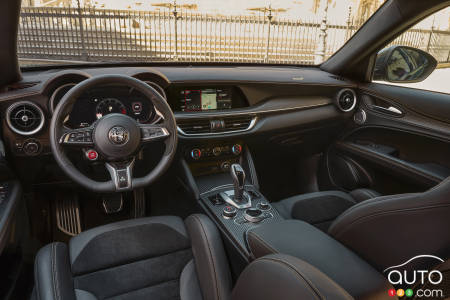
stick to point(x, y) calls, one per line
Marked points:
point(391, 110)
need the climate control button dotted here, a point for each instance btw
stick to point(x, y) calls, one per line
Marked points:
point(216, 151)
point(196, 153)
point(236, 149)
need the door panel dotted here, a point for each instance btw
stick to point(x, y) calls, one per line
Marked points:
point(398, 148)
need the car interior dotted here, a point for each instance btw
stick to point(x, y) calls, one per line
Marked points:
point(219, 181)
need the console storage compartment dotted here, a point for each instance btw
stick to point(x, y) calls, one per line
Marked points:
point(315, 247)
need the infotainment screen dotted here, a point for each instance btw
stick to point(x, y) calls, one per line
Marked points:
point(205, 99)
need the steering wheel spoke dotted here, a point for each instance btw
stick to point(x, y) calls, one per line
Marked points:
point(121, 174)
point(77, 137)
point(153, 132)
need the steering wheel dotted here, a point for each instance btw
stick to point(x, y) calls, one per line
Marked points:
point(116, 137)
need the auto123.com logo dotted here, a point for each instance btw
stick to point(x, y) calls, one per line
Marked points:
point(407, 277)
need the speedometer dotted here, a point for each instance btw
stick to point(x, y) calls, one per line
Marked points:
point(109, 106)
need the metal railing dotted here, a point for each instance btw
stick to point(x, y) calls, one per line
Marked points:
point(88, 34)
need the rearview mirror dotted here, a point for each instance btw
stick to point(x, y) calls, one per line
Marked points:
point(403, 64)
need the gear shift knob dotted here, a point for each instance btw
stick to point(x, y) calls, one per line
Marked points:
point(238, 175)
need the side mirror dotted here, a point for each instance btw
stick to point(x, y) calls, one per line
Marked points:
point(403, 64)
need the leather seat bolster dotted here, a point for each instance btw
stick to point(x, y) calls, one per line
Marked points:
point(362, 211)
point(360, 195)
point(279, 276)
point(52, 273)
point(189, 285)
point(209, 257)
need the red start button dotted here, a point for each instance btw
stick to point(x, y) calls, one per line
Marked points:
point(92, 154)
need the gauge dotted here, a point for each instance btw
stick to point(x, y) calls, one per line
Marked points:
point(109, 106)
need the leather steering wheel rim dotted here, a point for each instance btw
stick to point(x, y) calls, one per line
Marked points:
point(65, 106)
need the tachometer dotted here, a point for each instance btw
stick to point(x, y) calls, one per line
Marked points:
point(109, 106)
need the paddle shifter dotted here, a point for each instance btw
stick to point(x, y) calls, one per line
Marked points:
point(237, 197)
point(238, 175)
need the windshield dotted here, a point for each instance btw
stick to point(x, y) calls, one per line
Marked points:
point(280, 32)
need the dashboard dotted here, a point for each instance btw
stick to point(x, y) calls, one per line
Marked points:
point(211, 104)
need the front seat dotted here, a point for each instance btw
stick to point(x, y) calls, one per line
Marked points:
point(390, 230)
point(148, 258)
point(158, 258)
point(321, 208)
point(385, 230)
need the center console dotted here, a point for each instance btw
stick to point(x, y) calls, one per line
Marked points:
point(237, 217)
point(228, 190)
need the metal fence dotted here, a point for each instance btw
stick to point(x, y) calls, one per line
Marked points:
point(89, 34)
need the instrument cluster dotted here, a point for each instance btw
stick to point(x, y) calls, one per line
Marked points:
point(105, 100)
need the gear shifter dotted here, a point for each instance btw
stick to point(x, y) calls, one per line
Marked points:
point(238, 175)
point(238, 197)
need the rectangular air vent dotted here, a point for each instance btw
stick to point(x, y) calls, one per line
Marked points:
point(237, 123)
point(216, 125)
point(338, 78)
point(195, 126)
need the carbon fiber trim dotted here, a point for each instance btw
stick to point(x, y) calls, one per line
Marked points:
point(237, 227)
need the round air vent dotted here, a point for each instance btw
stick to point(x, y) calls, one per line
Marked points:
point(346, 100)
point(25, 118)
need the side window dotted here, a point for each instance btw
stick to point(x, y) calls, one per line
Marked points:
point(407, 62)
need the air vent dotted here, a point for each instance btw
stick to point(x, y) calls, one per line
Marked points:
point(216, 126)
point(237, 123)
point(346, 100)
point(25, 118)
point(198, 126)
point(338, 77)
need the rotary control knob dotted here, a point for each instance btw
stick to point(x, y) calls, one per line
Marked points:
point(236, 149)
point(196, 154)
point(225, 166)
point(253, 215)
point(216, 151)
point(229, 212)
point(264, 205)
point(31, 147)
